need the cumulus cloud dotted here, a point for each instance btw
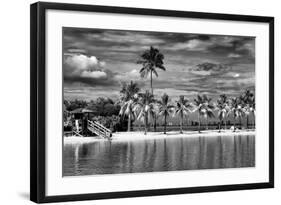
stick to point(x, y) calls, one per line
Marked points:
point(86, 69)
point(82, 62)
point(93, 74)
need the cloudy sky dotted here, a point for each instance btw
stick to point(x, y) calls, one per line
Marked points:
point(96, 62)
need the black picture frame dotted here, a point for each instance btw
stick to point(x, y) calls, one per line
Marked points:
point(38, 101)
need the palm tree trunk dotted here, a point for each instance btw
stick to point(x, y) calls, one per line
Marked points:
point(165, 122)
point(254, 120)
point(240, 119)
point(181, 119)
point(225, 124)
point(151, 82)
point(234, 124)
point(207, 123)
point(129, 123)
point(199, 122)
point(154, 124)
point(145, 124)
point(220, 126)
point(247, 121)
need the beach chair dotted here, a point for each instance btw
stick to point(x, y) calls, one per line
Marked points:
point(78, 129)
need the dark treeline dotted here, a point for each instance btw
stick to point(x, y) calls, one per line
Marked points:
point(104, 110)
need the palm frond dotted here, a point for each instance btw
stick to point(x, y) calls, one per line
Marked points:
point(155, 72)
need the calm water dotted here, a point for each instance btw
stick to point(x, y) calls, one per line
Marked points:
point(105, 157)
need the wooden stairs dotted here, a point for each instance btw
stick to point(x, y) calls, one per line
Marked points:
point(99, 129)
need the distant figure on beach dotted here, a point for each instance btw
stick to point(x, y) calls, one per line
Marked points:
point(232, 128)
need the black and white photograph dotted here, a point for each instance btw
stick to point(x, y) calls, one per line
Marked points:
point(132, 102)
point(145, 101)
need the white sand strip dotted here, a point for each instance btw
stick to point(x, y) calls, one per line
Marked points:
point(128, 136)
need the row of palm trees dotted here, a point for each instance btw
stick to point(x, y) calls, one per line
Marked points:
point(145, 107)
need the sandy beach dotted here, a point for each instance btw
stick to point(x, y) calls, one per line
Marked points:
point(127, 136)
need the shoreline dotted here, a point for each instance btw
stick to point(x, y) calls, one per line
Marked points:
point(133, 136)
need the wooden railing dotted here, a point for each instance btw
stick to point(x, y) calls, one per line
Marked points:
point(99, 129)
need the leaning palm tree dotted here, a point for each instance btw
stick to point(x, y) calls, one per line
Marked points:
point(128, 99)
point(145, 108)
point(200, 108)
point(183, 107)
point(151, 59)
point(223, 109)
point(209, 107)
point(165, 109)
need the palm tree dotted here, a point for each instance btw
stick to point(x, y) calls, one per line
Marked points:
point(200, 108)
point(128, 98)
point(145, 108)
point(237, 110)
point(154, 115)
point(223, 109)
point(151, 59)
point(247, 112)
point(165, 109)
point(209, 107)
point(253, 108)
point(128, 91)
point(248, 100)
point(183, 107)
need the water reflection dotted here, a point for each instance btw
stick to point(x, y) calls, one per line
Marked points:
point(105, 157)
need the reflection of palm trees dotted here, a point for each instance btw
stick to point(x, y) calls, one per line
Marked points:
point(165, 156)
point(202, 153)
point(183, 107)
point(151, 59)
point(165, 109)
point(128, 98)
point(221, 155)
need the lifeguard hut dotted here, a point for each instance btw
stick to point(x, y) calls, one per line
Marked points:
point(84, 126)
point(81, 117)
